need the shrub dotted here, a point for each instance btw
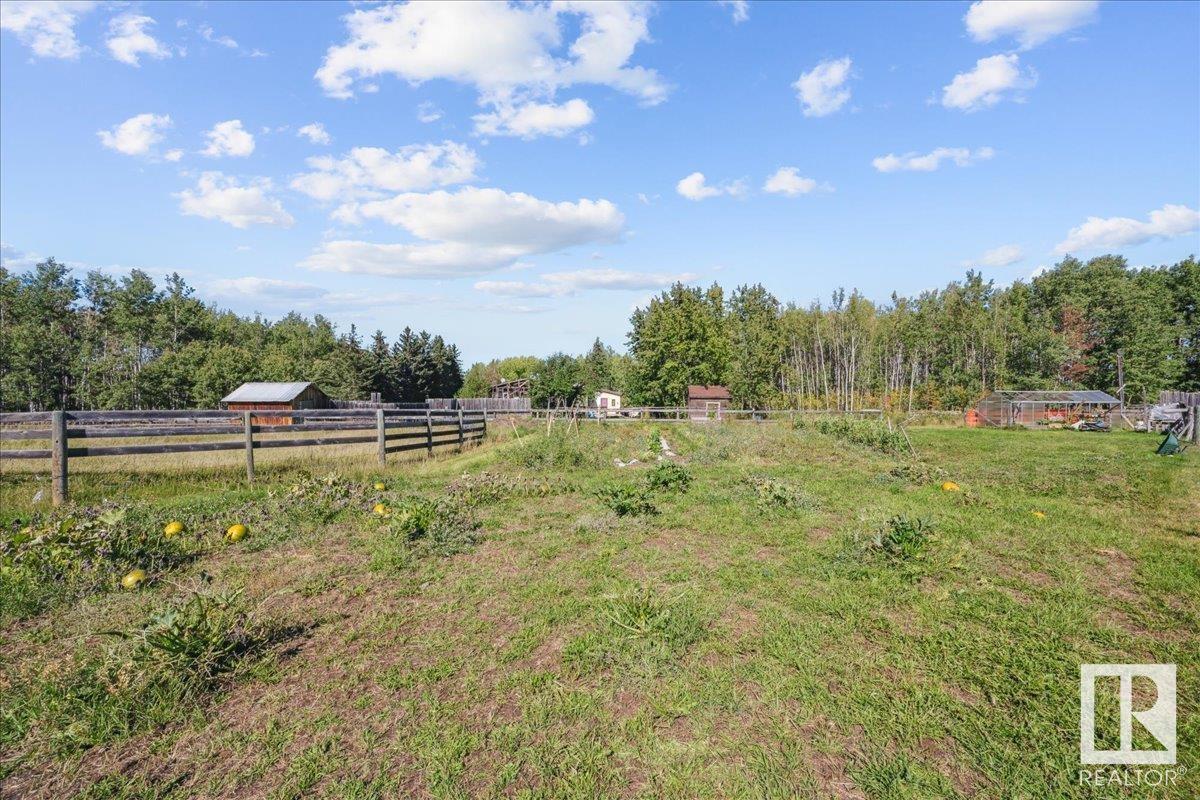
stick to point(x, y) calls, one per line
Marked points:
point(627, 500)
point(903, 538)
point(668, 477)
point(483, 488)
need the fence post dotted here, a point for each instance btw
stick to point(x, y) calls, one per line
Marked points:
point(428, 432)
point(460, 428)
point(248, 420)
point(381, 434)
point(58, 457)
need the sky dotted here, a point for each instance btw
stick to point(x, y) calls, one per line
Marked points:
point(518, 178)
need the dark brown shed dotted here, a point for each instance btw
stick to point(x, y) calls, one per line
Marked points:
point(706, 401)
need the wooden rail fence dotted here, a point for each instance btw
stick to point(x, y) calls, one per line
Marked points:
point(393, 431)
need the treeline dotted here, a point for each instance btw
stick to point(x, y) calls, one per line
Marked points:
point(101, 343)
point(1069, 327)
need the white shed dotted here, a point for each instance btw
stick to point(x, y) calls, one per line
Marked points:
point(608, 400)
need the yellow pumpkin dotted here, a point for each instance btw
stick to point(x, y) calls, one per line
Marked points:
point(379, 486)
point(173, 528)
point(951, 486)
point(134, 578)
point(1040, 514)
point(380, 509)
point(236, 532)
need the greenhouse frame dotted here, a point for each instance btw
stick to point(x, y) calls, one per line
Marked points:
point(1031, 409)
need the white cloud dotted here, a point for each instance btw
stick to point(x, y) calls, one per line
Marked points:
point(315, 132)
point(915, 162)
point(47, 28)
point(511, 53)
point(251, 286)
point(738, 9)
point(1098, 233)
point(787, 180)
point(173, 155)
point(210, 35)
point(823, 89)
point(1031, 22)
point(366, 172)
point(561, 284)
point(694, 187)
point(428, 112)
point(533, 119)
point(988, 83)
point(467, 232)
point(128, 40)
point(229, 138)
point(137, 135)
point(218, 196)
point(1001, 256)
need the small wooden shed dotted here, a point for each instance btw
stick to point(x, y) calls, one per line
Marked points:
point(294, 395)
point(607, 400)
point(707, 401)
point(506, 390)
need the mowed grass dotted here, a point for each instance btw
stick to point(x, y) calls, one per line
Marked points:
point(738, 635)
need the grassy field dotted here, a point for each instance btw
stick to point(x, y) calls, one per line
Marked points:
point(789, 613)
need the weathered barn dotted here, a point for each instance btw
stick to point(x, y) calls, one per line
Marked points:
point(509, 389)
point(1033, 408)
point(291, 396)
point(707, 402)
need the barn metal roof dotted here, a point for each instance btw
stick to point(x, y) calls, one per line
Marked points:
point(266, 392)
point(1068, 396)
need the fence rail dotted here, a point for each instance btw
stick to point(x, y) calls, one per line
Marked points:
point(392, 430)
point(686, 414)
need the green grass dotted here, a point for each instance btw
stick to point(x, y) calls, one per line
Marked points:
point(805, 615)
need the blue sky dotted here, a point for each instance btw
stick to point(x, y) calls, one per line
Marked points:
point(518, 178)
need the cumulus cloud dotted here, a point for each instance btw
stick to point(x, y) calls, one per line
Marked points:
point(1098, 233)
point(315, 132)
point(695, 187)
point(137, 135)
point(467, 232)
point(822, 90)
point(513, 54)
point(738, 9)
point(915, 162)
point(229, 138)
point(218, 196)
point(128, 40)
point(368, 172)
point(993, 79)
point(561, 284)
point(1001, 256)
point(787, 180)
point(46, 27)
point(1031, 22)
point(533, 119)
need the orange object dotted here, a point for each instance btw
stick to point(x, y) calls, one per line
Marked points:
point(972, 418)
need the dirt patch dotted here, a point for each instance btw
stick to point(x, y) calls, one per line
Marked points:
point(943, 755)
point(1113, 574)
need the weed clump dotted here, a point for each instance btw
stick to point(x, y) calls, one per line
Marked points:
point(771, 494)
point(484, 488)
point(866, 432)
point(669, 477)
point(165, 667)
point(628, 500)
point(639, 626)
point(443, 527)
point(554, 450)
point(903, 538)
